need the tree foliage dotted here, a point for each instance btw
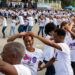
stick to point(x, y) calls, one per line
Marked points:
point(65, 3)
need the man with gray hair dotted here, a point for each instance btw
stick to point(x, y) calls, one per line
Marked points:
point(12, 54)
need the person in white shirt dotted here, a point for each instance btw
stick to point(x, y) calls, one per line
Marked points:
point(48, 50)
point(26, 23)
point(13, 23)
point(31, 22)
point(55, 21)
point(47, 19)
point(72, 48)
point(33, 56)
point(41, 25)
point(36, 17)
point(21, 26)
point(62, 53)
point(11, 58)
point(68, 35)
point(4, 24)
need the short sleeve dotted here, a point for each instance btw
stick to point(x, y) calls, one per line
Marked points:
point(64, 47)
point(22, 70)
point(41, 56)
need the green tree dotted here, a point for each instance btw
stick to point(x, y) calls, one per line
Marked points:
point(65, 3)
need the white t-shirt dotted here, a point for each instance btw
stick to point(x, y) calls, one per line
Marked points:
point(36, 16)
point(31, 21)
point(26, 22)
point(4, 22)
point(55, 21)
point(47, 20)
point(63, 61)
point(41, 23)
point(72, 47)
point(31, 60)
point(48, 51)
point(21, 20)
point(22, 70)
point(68, 38)
point(13, 23)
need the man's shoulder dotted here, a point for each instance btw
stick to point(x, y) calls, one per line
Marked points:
point(21, 69)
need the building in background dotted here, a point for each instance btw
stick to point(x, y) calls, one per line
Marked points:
point(34, 3)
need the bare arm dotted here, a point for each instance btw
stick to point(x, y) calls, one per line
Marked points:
point(16, 36)
point(70, 30)
point(72, 33)
point(46, 41)
point(7, 68)
point(48, 64)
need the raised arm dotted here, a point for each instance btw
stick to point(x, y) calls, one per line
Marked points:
point(70, 30)
point(16, 36)
point(46, 41)
point(7, 69)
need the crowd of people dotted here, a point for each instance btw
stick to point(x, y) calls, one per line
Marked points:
point(57, 28)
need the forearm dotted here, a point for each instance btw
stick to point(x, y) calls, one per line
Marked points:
point(49, 42)
point(45, 41)
point(71, 25)
point(49, 63)
point(40, 63)
point(8, 69)
point(13, 38)
point(72, 33)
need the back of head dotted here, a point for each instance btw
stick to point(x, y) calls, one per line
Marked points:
point(63, 24)
point(50, 27)
point(60, 32)
point(15, 48)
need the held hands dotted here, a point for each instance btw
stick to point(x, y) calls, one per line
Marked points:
point(28, 33)
point(23, 33)
point(32, 33)
point(40, 68)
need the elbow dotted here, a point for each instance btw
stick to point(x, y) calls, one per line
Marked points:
point(8, 40)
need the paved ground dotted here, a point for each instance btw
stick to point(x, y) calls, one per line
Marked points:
point(37, 43)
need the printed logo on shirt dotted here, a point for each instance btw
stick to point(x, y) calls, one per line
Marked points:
point(29, 60)
point(56, 55)
point(71, 44)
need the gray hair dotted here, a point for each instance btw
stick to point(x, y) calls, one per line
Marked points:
point(15, 48)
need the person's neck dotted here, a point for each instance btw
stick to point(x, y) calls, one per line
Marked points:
point(30, 49)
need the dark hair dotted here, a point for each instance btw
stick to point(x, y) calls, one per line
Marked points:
point(49, 27)
point(60, 32)
point(13, 17)
point(28, 35)
point(25, 16)
point(63, 24)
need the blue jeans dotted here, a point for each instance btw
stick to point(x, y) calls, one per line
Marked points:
point(30, 28)
point(12, 29)
point(3, 30)
point(20, 28)
point(50, 70)
point(41, 29)
point(25, 28)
